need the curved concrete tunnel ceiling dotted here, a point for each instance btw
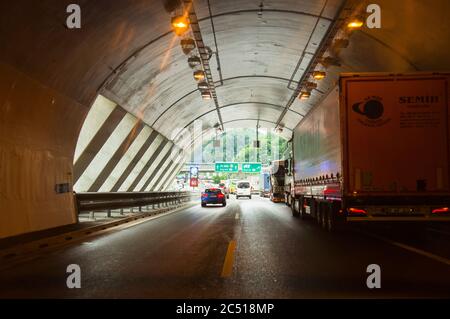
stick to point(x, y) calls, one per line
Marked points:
point(258, 57)
point(126, 50)
point(260, 62)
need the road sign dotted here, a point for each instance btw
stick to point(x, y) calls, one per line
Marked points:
point(227, 167)
point(193, 182)
point(251, 167)
point(194, 171)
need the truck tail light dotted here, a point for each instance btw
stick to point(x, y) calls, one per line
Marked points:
point(356, 211)
point(442, 210)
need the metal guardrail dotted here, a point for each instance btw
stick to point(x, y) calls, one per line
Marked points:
point(88, 202)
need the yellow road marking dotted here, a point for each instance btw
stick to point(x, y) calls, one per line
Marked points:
point(229, 259)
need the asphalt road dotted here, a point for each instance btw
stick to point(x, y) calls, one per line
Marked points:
point(249, 249)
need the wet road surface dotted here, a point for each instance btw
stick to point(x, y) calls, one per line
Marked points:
point(249, 249)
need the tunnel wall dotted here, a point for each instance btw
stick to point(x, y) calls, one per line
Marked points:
point(36, 152)
point(49, 78)
point(117, 152)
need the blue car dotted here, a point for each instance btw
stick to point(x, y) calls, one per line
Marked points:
point(213, 196)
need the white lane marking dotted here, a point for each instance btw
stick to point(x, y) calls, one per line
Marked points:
point(438, 231)
point(236, 216)
point(410, 248)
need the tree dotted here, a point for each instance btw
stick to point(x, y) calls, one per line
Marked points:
point(219, 177)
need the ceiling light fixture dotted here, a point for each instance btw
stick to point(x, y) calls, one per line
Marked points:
point(279, 129)
point(206, 95)
point(218, 128)
point(355, 24)
point(194, 61)
point(304, 95)
point(319, 75)
point(187, 45)
point(329, 61)
point(311, 85)
point(203, 85)
point(180, 24)
point(199, 75)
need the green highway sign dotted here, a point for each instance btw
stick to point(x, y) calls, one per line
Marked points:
point(227, 167)
point(251, 167)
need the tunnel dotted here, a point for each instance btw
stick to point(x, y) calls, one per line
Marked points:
point(110, 103)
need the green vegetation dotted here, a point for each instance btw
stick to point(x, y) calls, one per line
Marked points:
point(219, 177)
point(236, 145)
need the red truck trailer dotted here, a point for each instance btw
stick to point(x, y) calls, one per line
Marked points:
point(375, 149)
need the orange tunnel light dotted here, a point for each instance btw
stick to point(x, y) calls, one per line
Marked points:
point(180, 24)
point(199, 75)
point(319, 75)
point(355, 24)
point(304, 95)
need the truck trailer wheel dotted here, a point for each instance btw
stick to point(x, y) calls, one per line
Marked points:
point(301, 208)
point(316, 207)
point(319, 213)
point(287, 200)
point(332, 223)
point(295, 212)
point(325, 214)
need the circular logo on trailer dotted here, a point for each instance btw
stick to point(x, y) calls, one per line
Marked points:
point(372, 110)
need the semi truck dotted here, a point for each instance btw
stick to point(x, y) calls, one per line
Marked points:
point(277, 172)
point(264, 182)
point(376, 148)
point(288, 176)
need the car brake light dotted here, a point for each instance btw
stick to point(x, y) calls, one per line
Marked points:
point(204, 195)
point(440, 210)
point(220, 195)
point(357, 211)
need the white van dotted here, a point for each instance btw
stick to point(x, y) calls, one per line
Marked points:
point(243, 189)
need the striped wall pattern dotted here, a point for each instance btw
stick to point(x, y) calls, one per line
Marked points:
point(117, 152)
